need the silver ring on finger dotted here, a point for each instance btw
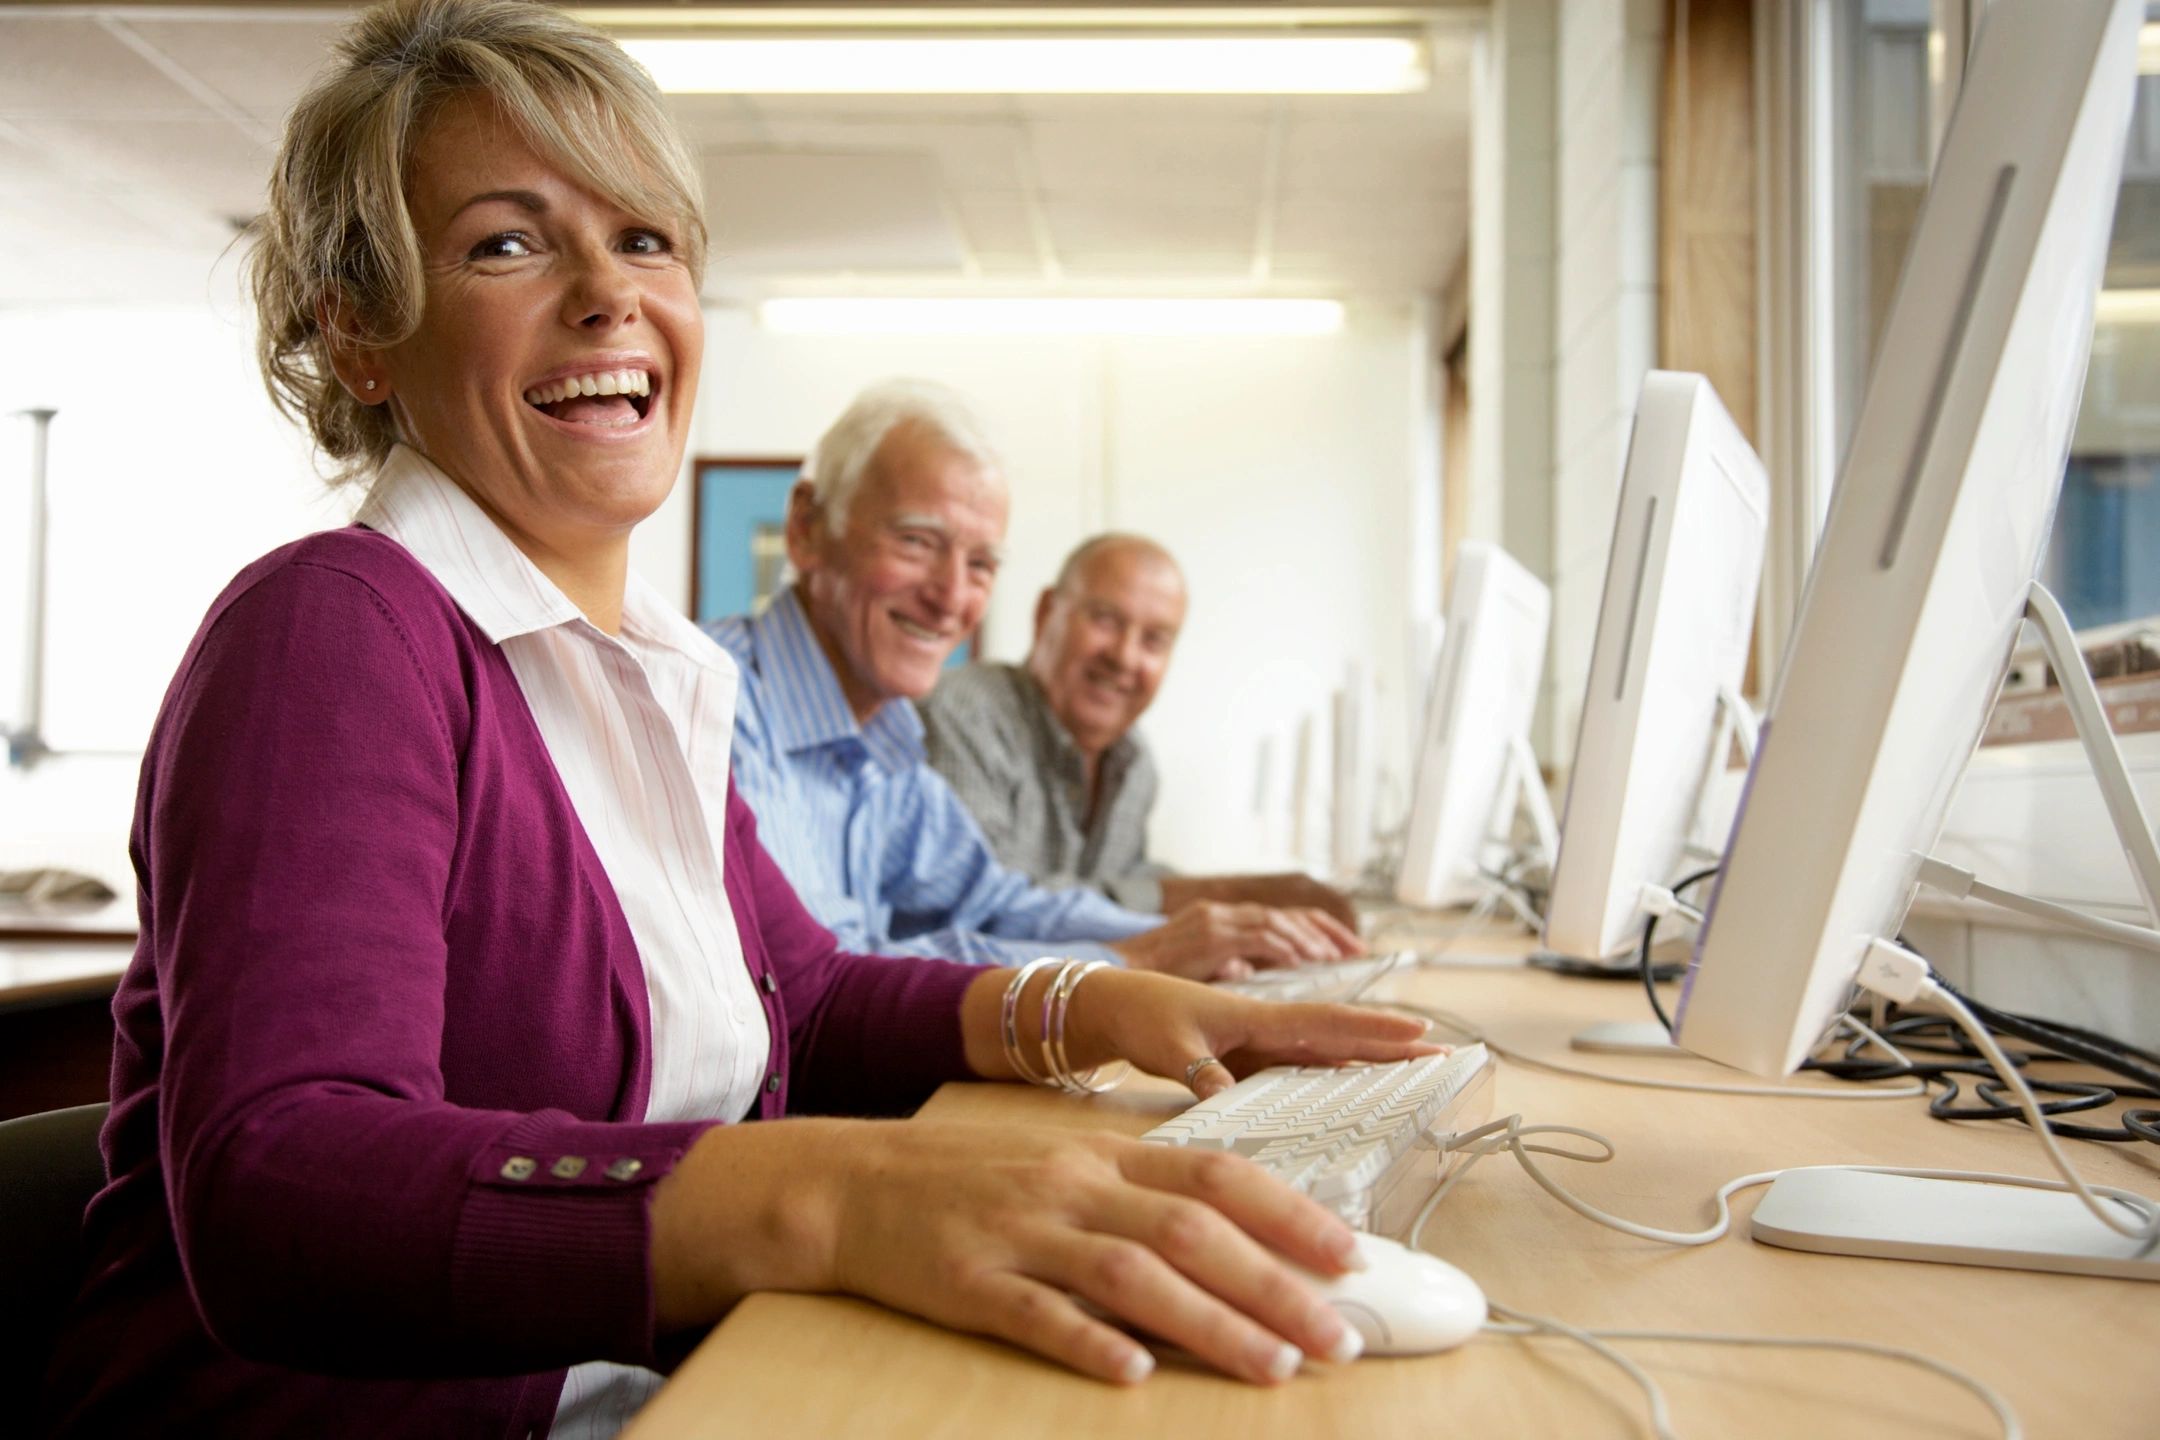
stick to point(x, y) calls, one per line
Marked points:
point(1192, 1071)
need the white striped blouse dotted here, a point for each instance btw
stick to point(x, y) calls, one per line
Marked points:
point(639, 728)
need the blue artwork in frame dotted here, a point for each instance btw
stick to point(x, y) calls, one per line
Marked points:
point(737, 550)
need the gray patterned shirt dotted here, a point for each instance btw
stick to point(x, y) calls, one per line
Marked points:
point(990, 732)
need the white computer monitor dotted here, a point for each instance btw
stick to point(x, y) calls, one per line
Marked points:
point(1670, 659)
point(1350, 816)
point(1475, 748)
point(1936, 529)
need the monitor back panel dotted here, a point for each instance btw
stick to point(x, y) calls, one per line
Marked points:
point(1935, 531)
point(1484, 695)
point(1673, 629)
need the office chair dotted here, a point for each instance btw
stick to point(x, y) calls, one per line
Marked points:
point(50, 1166)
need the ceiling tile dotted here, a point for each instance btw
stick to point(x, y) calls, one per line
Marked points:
point(52, 66)
point(1157, 110)
point(1160, 267)
point(1337, 157)
point(996, 224)
point(259, 65)
point(969, 154)
point(1083, 227)
point(881, 107)
point(790, 212)
point(1222, 159)
point(708, 120)
point(1343, 229)
point(206, 166)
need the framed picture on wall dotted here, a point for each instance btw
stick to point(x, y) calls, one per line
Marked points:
point(738, 550)
point(738, 540)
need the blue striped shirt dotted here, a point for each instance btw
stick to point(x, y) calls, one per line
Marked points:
point(875, 842)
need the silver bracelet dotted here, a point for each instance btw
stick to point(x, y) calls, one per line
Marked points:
point(1057, 1076)
point(1062, 991)
point(1009, 1021)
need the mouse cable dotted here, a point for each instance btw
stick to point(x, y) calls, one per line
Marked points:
point(1526, 1326)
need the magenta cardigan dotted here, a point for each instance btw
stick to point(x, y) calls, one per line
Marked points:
point(384, 1005)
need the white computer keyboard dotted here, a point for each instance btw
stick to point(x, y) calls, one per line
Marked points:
point(1340, 980)
point(1360, 1139)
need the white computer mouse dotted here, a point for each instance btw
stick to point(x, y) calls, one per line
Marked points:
point(1405, 1302)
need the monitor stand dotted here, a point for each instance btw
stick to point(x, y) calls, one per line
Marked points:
point(1850, 1211)
point(1522, 792)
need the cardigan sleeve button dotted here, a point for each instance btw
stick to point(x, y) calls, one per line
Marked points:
point(519, 1167)
point(623, 1169)
point(568, 1168)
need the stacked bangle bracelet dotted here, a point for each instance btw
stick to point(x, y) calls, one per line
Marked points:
point(1056, 1071)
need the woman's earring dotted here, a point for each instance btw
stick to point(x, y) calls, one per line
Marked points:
point(370, 384)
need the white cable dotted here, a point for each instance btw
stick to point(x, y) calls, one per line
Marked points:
point(1660, 1415)
point(1845, 1091)
point(1509, 1134)
point(1531, 1325)
point(1476, 914)
point(2147, 1233)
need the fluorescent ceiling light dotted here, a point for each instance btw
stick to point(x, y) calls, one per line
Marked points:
point(1061, 316)
point(2149, 48)
point(1036, 64)
point(2127, 307)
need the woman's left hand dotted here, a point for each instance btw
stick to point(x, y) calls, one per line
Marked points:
point(1163, 1025)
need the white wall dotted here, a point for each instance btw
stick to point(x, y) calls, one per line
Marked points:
point(168, 471)
point(1563, 301)
point(1281, 472)
point(1605, 319)
point(1511, 289)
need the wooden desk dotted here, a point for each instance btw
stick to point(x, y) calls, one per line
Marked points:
point(2074, 1356)
point(41, 972)
point(56, 1030)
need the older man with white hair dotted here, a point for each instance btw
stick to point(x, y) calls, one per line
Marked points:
point(895, 533)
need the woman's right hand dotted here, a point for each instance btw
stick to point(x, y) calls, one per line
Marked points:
point(997, 1230)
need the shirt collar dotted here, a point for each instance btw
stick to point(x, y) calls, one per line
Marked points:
point(414, 503)
point(811, 709)
point(1114, 759)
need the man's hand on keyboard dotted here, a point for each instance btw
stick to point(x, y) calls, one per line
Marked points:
point(1211, 938)
point(1292, 888)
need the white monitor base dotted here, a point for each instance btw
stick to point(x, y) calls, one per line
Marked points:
point(1626, 1037)
point(1958, 1222)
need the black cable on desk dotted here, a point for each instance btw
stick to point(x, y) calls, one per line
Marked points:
point(2069, 1042)
point(1649, 934)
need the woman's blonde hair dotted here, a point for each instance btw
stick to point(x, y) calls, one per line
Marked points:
point(336, 243)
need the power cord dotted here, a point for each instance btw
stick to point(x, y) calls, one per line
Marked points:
point(2068, 1041)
